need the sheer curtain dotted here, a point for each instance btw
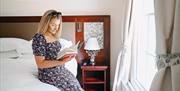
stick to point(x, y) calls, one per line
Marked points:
point(167, 17)
point(124, 58)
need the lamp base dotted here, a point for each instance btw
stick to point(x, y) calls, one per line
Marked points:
point(92, 63)
point(92, 54)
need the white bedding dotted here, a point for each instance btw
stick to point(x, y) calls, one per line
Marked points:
point(18, 71)
point(20, 74)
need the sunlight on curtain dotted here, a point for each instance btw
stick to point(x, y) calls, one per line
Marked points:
point(145, 64)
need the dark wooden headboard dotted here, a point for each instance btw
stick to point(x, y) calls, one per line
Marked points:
point(26, 26)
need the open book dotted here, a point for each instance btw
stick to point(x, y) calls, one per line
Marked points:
point(71, 50)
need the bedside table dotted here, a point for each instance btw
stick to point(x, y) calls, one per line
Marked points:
point(94, 78)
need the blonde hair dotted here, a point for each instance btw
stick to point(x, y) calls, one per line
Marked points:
point(45, 20)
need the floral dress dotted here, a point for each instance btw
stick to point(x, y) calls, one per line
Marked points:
point(58, 76)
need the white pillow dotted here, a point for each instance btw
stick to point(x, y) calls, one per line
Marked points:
point(71, 65)
point(10, 54)
point(20, 45)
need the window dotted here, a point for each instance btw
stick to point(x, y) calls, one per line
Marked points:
point(144, 67)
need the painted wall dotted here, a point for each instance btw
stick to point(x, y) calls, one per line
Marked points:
point(71, 7)
point(68, 7)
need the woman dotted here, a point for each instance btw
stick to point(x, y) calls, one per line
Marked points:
point(45, 48)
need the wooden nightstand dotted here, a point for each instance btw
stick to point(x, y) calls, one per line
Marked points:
point(94, 78)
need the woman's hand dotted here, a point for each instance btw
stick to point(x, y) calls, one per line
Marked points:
point(68, 57)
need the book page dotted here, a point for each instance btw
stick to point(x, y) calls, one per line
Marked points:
point(71, 50)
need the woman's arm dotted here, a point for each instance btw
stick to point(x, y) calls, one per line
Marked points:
point(42, 63)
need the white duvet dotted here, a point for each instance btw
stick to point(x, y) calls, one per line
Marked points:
point(20, 74)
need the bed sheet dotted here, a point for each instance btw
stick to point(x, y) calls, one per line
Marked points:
point(20, 74)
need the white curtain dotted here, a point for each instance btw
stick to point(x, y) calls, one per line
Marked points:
point(167, 17)
point(124, 58)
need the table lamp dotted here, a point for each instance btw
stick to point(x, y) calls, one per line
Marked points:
point(92, 48)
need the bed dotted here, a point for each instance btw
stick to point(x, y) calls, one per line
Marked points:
point(73, 29)
point(18, 68)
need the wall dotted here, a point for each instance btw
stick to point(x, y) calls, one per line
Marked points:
point(71, 7)
point(68, 7)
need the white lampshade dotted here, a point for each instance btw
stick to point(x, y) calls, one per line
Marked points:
point(92, 44)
